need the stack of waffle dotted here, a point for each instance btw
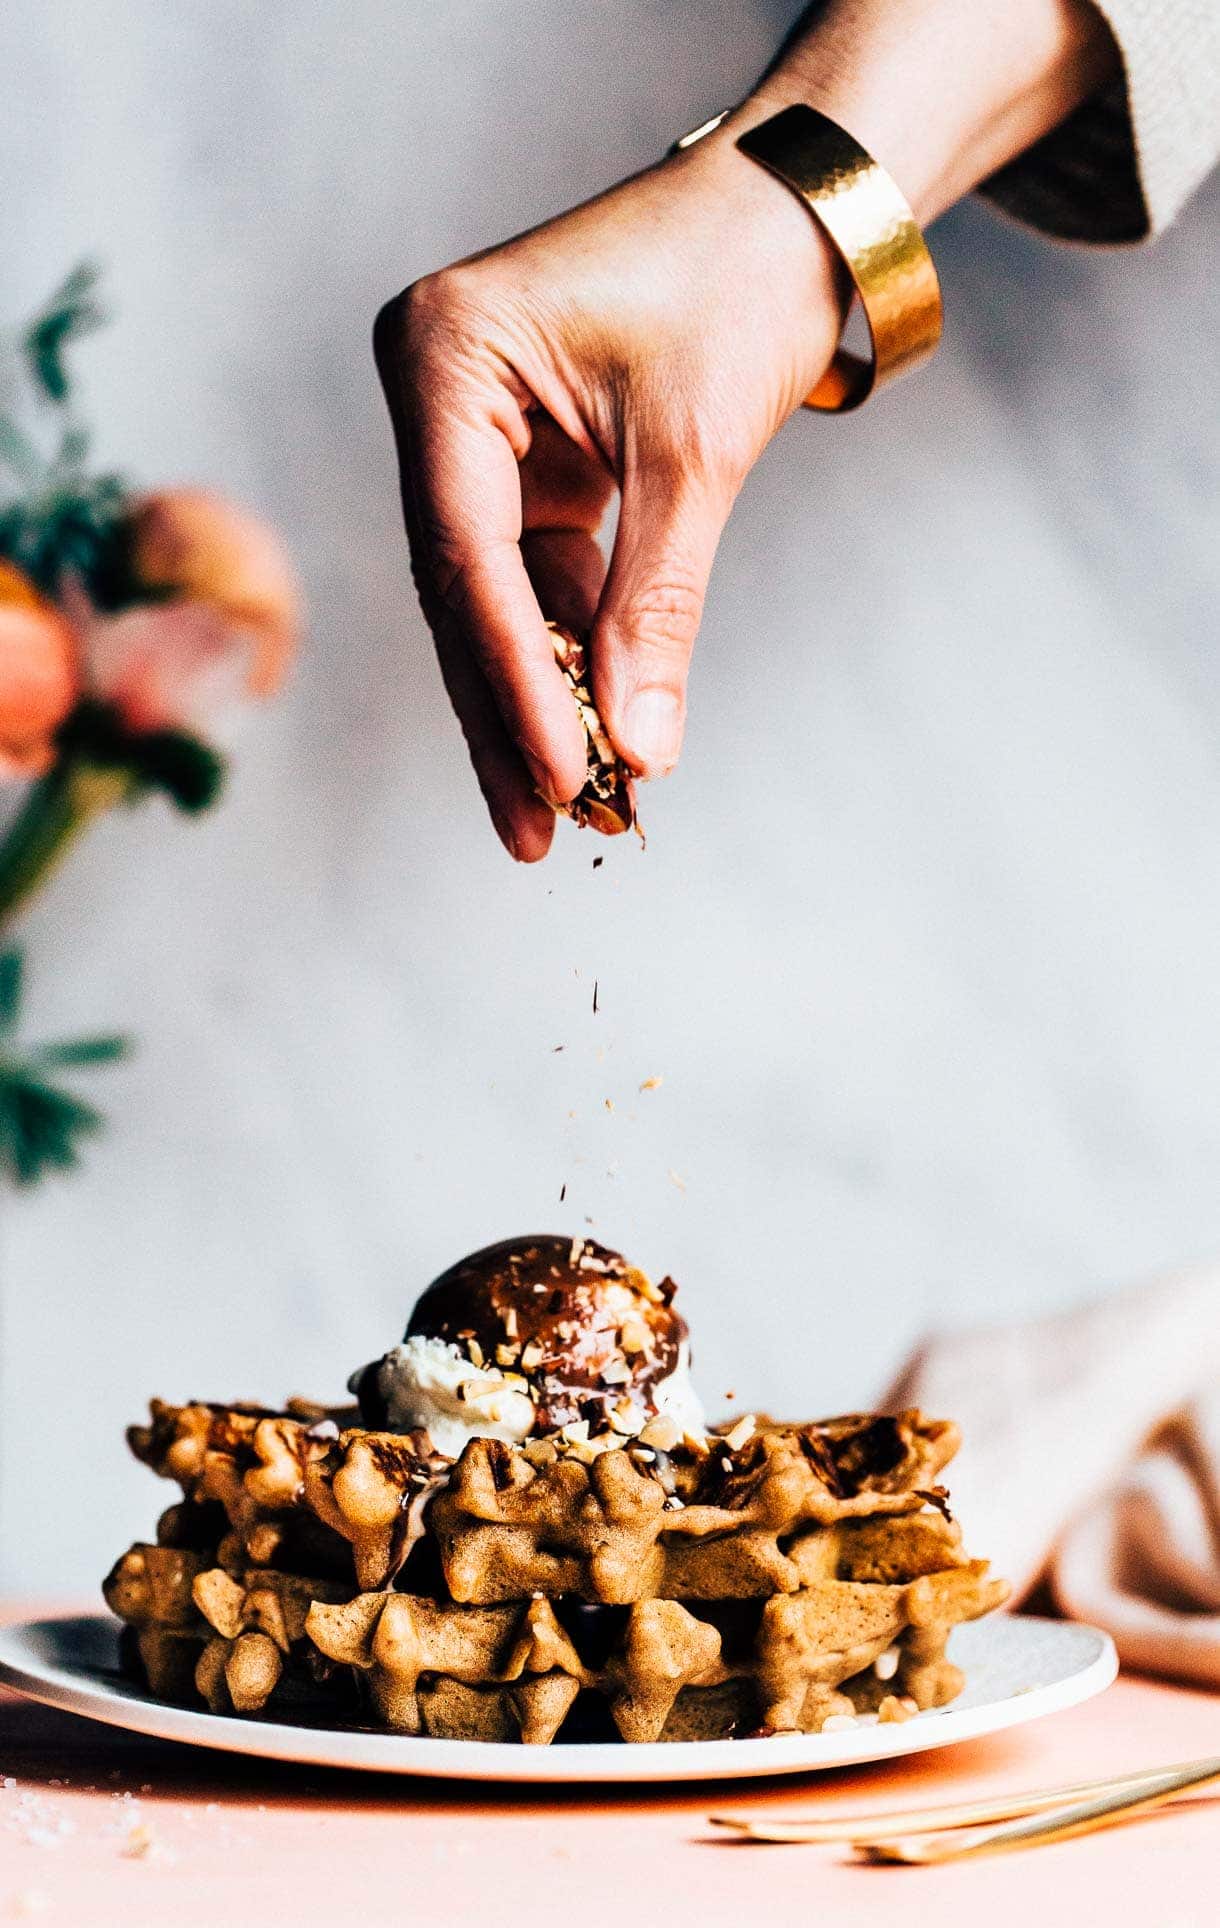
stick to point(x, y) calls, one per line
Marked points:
point(675, 1585)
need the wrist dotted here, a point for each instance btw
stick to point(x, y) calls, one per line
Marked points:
point(945, 93)
point(786, 245)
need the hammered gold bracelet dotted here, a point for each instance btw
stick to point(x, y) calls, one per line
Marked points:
point(871, 227)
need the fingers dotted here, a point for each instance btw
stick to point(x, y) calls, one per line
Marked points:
point(524, 824)
point(669, 525)
point(459, 428)
point(564, 494)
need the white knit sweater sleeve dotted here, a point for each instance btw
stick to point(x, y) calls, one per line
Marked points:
point(1120, 167)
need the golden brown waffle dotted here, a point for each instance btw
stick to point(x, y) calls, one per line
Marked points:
point(249, 1463)
point(150, 1589)
point(634, 1523)
point(258, 1650)
point(763, 1580)
point(671, 1671)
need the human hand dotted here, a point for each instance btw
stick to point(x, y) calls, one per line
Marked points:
point(652, 340)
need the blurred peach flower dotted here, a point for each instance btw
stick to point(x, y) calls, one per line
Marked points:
point(223, 626)
point(39, 674)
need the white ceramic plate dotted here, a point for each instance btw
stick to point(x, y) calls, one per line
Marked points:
point(1017, 1669)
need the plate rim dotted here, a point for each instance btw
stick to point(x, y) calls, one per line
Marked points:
point(607, 1763)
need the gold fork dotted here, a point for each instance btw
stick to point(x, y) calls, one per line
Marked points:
point(1061, 1824)
point(865, 1830)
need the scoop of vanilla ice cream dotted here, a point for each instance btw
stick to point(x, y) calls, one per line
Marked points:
point(541, 1335)
point(426, 1383)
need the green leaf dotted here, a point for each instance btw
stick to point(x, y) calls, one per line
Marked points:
point(71, 312)
point(190, 772)
point(40, 1126)
point(82, 1051)
point(11, 969)
point(77, 528)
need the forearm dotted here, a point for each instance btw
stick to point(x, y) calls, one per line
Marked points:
point(942, 92)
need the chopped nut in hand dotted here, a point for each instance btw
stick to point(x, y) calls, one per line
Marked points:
point(607, 801)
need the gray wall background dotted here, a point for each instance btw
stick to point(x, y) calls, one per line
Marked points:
point(925, 941)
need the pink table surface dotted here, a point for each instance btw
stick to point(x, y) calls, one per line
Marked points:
point(100, 1827)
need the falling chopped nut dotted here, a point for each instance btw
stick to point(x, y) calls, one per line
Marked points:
point(676, 1178)
point(563, 1191)
point(652, 1084)
point(609, 1103)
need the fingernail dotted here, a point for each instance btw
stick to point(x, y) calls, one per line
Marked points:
point(542, 779)
point(652, 729)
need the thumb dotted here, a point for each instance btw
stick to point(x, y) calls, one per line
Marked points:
point(649, 613)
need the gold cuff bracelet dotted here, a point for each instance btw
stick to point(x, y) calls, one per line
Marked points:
point(874, 231)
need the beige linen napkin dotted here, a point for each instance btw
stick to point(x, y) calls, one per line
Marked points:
point(1091, 1455)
